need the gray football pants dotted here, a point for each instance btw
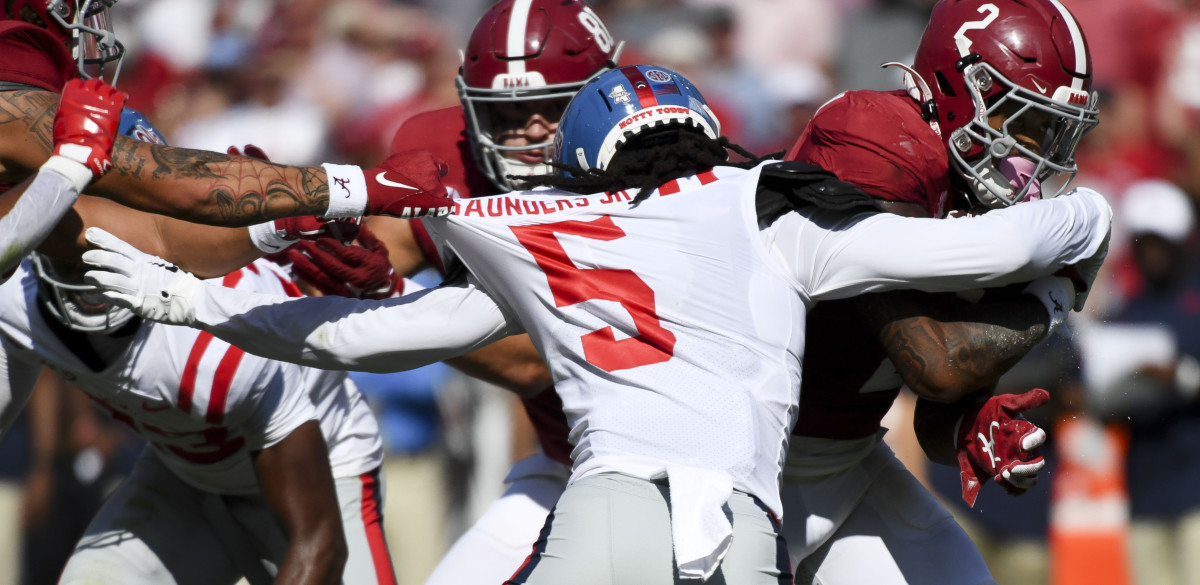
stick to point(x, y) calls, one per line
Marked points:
point(613, 529)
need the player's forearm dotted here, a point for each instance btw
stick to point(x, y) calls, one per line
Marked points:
point(204, 250)
point(298, 485)
point(209, 187)
point(936, 425)
point(313, 560)
point(944, 349)
point(351, 334)
point(511, 363)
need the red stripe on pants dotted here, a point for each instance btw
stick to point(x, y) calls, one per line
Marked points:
point(374, 529)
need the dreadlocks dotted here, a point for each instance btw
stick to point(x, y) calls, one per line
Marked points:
point(648, 161)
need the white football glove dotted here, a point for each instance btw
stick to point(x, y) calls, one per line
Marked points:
point(152, 287)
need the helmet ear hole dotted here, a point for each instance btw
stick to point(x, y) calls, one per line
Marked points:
point(944, 84)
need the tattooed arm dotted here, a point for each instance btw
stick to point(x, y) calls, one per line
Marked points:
point(209, 187)
point(26, 142)
point(946, 348)
point(193, 185)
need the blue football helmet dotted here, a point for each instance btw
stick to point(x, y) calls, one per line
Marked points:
point(620, 104)
point(80, 306)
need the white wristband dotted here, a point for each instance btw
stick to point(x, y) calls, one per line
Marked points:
point(77, 172)
point(347, 191)
point(1057, 294)
point(265, 237)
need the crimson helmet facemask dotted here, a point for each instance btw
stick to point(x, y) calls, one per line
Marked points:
point(1025, 60)
point(93, 44)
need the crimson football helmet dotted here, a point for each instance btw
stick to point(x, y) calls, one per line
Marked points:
point(83, 25)
point(1023, 61)
point(525, 57)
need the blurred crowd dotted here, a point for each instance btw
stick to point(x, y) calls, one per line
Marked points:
point(313, 81)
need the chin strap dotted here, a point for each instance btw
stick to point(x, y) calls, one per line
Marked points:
point(919, 90)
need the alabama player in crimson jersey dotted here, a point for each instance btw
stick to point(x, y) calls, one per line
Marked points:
point(998, 97)
point(254, 468)
point(672, 318)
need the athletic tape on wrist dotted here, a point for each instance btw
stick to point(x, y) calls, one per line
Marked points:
point(75, 171)
point(265, 237)
point(1057, 294)
point(347, 191)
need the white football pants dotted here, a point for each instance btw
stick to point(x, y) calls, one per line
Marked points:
point(492, 549)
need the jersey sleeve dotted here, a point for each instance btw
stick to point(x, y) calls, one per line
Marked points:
point(351, 334)
point(833, 255)
point(17, 379)
point(282, 405)
point(40, 207)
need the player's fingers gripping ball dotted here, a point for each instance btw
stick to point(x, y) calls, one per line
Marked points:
point(89, 114)
point(996, 441)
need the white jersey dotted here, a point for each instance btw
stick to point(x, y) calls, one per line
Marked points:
point(674, 328)
point(202, 404)
point(685, 354)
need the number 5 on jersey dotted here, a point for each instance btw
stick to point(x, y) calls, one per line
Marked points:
point(571, 285)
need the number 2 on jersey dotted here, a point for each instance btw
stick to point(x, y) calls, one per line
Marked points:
point(571, 285)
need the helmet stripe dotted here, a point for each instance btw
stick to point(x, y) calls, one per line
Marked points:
point(518, 19)
point(641, 86)
point(1081, 64)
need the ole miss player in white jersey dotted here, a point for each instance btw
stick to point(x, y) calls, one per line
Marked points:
point(672, 318)
point(254, 467)
point(523, 62)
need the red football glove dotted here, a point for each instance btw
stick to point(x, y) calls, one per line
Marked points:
point(408, 184)
point(360, 271)
point(250, 151)
point(995, 441)
point(89, 113)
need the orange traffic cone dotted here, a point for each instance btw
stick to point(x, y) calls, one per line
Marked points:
point(1089, 506)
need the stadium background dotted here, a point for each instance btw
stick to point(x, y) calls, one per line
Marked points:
point(316, 80)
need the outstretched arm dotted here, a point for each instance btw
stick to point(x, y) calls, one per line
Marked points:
point(327, 332)
point(217, 188)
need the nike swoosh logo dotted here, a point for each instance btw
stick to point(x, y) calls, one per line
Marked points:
point(1038, 86)
point(385, 182)
point(146, 407)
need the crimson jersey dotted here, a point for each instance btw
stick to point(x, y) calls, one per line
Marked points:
point(877, 141)
point(444, 133)
point(30, 55)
